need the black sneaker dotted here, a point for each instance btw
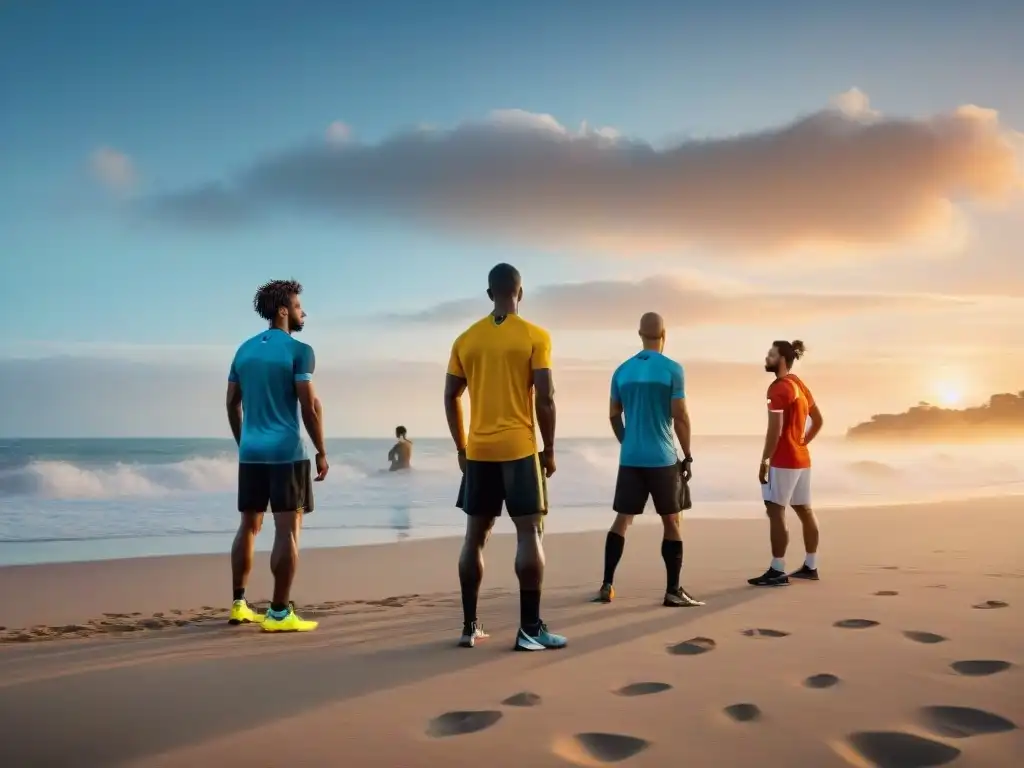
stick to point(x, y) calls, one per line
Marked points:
point(805, 573)
point(680, 599)
point(770, 578)
point(471, 633)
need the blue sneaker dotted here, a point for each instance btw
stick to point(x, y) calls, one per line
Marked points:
point(539, 640)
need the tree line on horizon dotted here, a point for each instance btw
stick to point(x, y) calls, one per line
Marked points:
point(1003, 414)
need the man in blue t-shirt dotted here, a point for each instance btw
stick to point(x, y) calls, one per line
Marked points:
point(270, 383)
point(648, 390)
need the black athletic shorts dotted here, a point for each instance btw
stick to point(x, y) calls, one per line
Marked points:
point(284, 487)
point(519, 485)
point(664, 485)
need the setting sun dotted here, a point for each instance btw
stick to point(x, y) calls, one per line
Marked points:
point(949, 395)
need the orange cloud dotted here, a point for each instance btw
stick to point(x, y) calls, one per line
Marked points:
point(844, 175)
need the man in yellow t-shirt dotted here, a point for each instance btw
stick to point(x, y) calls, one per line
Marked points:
point(505, 363)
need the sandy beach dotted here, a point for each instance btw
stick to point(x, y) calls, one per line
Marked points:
point(906, 654)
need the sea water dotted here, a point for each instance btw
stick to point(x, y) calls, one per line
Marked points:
point(87, 499)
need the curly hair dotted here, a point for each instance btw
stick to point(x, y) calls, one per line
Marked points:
point(273, 295)
point(791, 351)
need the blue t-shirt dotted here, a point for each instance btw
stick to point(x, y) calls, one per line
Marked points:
point(266, 368)
point(646, 385)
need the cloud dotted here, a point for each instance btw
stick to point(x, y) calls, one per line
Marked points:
point(842, 176)
point(115, 170)
point(683, 301)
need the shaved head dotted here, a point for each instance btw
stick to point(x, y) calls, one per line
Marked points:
point(652, 326)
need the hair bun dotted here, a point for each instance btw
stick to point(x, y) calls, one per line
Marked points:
point(798, 348)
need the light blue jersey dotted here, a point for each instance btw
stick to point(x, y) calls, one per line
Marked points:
point(646, 385)
point(266, 368)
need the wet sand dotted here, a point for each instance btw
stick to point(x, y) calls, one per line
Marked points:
point(907, 653)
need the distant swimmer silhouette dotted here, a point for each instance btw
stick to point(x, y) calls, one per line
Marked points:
point(400, 454)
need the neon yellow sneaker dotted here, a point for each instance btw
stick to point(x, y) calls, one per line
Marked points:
point(289, 622)
point(242, 613)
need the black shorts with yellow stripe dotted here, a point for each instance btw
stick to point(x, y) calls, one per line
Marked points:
point(519, 485)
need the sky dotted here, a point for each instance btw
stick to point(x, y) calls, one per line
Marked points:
point(848, 174)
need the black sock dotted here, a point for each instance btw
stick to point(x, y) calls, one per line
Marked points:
point(470, 596)
point(279, 607)
point(613, 546)
point(240, 593)
point(672, 554)
point(529, 608)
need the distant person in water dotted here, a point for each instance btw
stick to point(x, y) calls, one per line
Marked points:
point(270, 383)
point(785, 469)
point(505, 363)
point(400, 454)
point(648, 390)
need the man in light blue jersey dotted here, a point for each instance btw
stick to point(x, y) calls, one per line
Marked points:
point(648, 390)
point(270, 383)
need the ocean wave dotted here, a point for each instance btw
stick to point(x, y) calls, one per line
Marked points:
point(50, 479)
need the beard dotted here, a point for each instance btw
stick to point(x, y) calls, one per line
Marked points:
point(295, 326)
point(772, 368)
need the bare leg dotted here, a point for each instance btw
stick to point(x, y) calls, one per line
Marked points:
point(284, 558)
point(242, 551)
point(777, 527)
point(810, 525)
point(471, 564)
point(529, 568)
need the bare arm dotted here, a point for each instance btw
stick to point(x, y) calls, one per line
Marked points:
point(544, 404)
point(615, 417)
point(234, 405)
point(454, 386)
point(771, 438)
point(311, 410)
point(816, 423)
point(681, 424)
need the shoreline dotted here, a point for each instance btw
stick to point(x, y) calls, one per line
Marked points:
point(23, 554)
point(921, 602)
point(108, 593)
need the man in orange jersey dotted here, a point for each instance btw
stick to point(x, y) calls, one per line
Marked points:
point(785, 470)
point(505, 363)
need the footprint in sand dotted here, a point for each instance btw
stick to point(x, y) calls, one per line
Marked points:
point(462, 723)
point(588, 748)
point(823, 680)
point(989, 604)
point(886, 593)
point(964, 722)
point(743, 713)
point(692, 647)
point(855, 624)
point(980, 667)
point(523, 699)
point(893, 749)
point(764, 633)
point(643, 689)
point(928, 638)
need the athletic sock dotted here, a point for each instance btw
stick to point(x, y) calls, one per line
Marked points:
point(470, 597)
point(613, 546)
point(811, 561)
point(239, 594)
point(529, 608)
point(279, 608)
point(778, 564)
point(672, 554)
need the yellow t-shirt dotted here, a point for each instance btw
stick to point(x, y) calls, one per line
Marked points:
point(497, 361)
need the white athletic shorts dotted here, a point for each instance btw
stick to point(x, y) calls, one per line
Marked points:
point(788, 487)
